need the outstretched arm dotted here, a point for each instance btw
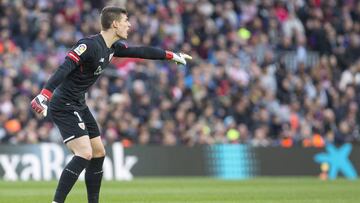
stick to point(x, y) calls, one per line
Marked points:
point(146, 52)
point(140, 52)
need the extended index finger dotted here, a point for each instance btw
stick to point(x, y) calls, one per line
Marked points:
point(186, 56)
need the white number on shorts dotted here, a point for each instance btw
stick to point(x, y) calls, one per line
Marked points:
point(77, 114)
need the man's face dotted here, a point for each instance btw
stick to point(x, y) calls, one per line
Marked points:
point(122, 26)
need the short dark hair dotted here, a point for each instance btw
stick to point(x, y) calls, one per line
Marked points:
point(109, 14)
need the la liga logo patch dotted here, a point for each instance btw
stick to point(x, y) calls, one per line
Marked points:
point(80, 49)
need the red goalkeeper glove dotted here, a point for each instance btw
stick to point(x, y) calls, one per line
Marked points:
point(40, 102)
point(179, 58)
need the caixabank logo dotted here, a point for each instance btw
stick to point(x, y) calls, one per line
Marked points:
point(231, 161)
point(46, 161)
point(335, 161)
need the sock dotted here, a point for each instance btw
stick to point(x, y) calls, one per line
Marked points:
point(69, 176)
point(93, 176)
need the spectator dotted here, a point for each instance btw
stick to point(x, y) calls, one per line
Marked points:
point(264, 73)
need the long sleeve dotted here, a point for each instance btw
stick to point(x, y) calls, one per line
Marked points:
point(60, 74)
point(83, 51)
point(144, 52)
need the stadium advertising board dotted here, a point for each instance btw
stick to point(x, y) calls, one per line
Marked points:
point(45, 161)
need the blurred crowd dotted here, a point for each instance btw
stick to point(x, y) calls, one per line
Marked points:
point(239, 87)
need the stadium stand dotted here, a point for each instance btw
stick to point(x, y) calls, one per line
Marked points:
point(265, 72)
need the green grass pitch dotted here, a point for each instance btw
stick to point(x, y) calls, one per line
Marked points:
point(193, 190)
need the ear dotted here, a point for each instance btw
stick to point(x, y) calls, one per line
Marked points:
point(115, 24)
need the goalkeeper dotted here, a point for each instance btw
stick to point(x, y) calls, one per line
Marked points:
point(64, 97)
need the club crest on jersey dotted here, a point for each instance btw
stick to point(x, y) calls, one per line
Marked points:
point(80, 49)
point(82, 125)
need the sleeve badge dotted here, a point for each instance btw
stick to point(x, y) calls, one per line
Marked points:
point(80, 49)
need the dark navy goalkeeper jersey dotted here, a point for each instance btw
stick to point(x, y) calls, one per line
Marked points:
point(86, 61)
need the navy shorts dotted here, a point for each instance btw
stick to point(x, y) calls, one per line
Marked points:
point(73, 121)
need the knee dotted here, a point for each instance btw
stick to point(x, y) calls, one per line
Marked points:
point(86, 154)
point(99, 153)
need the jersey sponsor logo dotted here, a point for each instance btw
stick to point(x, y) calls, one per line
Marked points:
point(80, 49)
